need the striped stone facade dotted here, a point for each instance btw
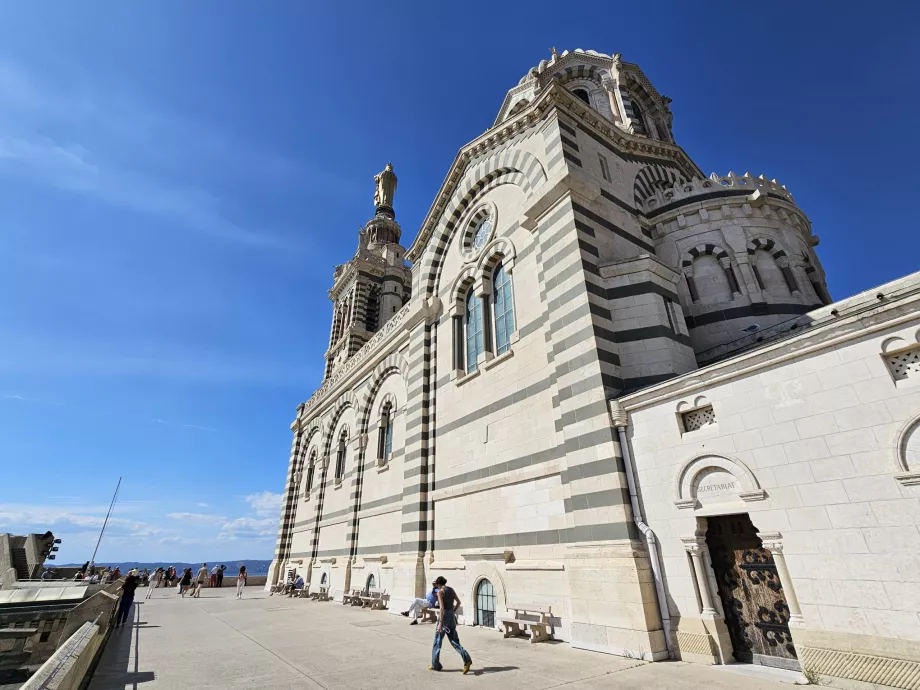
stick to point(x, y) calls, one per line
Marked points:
point(629, 270)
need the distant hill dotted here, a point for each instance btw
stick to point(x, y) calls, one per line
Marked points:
point(253, 567)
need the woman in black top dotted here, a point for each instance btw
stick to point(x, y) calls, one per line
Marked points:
point(185, 581)
point(447, 625)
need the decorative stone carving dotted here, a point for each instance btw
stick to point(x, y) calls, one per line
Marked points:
point(773, 542)
point(709, 479)
point(696, 547)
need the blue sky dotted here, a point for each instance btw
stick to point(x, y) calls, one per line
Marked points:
point(177, 180)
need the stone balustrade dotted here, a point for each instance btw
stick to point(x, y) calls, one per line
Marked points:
point(681, 191)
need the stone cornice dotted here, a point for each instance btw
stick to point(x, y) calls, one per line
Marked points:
point(645, 263)
point(553, 96)
point(398, 324)
point(833, 325)
point(368, 264)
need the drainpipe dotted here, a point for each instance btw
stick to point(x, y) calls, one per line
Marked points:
point(621, 421)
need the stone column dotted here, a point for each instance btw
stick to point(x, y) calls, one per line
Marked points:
point(786, 269)
point(726, 264)
point(358, 447)
point(694, 546)
point(773, 542)
point(711, 620)
point(288, 505)
point(691, 285)
point(483, 292)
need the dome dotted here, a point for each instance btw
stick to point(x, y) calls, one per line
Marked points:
point(544, 64)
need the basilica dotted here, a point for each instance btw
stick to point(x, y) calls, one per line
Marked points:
point(603, 383)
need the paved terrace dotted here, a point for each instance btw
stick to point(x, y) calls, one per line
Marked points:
point(282, 644)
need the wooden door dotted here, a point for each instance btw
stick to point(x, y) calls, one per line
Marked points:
point(751, 593)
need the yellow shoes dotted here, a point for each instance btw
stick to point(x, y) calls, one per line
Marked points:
point(466, 668)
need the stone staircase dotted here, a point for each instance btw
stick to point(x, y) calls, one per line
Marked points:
point(20, 563)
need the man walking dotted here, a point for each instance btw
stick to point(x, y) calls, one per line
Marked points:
point(448, 602)
point(127, 598)
point(200, 580)
point(152, 583)
point(429, 602)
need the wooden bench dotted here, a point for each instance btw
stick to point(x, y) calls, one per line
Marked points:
point(429, 614)
point(374, 599)
point(538, 628)
point(321, 594)
point(352, 598)
point(302, 593)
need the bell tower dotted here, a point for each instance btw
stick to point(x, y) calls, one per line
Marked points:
point(374, 285)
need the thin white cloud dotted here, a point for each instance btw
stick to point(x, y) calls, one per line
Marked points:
point(135, 531)
point(103, 412)
point(162, 147)
point(198, 518)
point(47, 356)
point(265, 504)
point(67, 168)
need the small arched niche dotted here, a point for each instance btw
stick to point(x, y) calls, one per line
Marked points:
point(908, 454)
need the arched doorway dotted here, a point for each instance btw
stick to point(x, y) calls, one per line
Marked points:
point(322, 580)
point(756, 611)
point(485, 604)
point(371, 583)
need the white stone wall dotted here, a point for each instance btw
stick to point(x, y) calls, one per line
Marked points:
point(818, 433)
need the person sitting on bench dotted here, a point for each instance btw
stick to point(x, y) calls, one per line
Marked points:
point(297, 586)
point(430, 602)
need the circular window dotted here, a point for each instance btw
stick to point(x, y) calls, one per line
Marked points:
point(482, 232)
point(478, 230)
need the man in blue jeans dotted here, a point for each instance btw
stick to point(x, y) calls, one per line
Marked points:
point(447, 625)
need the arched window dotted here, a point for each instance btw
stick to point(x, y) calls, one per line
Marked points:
point(371, 582)
point(340, 456)
point(504, 309)
point(310, 469)
point(385, 434)
point(710, 280)
point(485, 604)
point(638, 117)
point(474, 339)
point(768, 274)
point(322, 580)
point(581, 94)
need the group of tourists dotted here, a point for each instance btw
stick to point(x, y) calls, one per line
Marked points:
point(165, 577)
point(89, 574)
point(441, 597)
point(191, 584)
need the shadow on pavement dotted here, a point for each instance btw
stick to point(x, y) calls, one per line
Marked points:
point(482, 671)
point(114, 670)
